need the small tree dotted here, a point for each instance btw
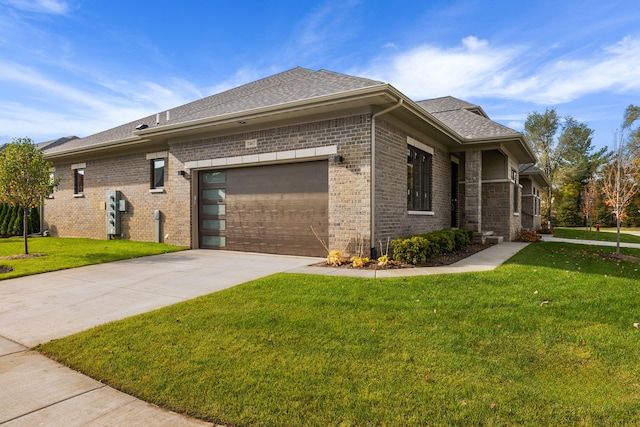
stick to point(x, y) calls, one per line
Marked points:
point(619, 181)
point(24, 179)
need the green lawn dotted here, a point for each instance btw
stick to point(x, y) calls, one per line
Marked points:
point(546, 339)
point(602, 236)
point(69, 253)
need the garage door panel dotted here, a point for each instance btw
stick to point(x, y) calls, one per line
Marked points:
point(272, 208)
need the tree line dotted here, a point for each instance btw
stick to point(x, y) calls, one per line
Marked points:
point(589, 186)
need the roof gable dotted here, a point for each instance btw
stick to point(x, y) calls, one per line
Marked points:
point(446, 103)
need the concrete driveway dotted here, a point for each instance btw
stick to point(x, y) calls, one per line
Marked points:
point(37, 391)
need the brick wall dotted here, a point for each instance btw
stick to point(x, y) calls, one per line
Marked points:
point(497, 208)
point(392, 217)
point(349, 184)
point(348, 181)
point(69, 216)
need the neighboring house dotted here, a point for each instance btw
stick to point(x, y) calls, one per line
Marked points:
point(532, 181)
point(279, 164)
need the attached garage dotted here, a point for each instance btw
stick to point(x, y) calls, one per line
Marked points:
point(268, 209)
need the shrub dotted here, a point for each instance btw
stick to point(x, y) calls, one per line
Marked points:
point(443, 241)
point(335, 258)
point(358, 261)
point(17, 225)
point(461, 238)
point(34, 221)
point(544, 229)
point(527, 236)
point(412, 250)
point(3, 213)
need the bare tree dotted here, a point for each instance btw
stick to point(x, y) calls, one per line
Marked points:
point(619, 180)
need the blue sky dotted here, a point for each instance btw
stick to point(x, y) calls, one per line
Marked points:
point(71, 67)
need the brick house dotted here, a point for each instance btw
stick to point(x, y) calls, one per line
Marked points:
point(267, 166)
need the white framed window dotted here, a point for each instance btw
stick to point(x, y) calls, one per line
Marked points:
point(157, 173)
point(78, 179)
point(516, 191)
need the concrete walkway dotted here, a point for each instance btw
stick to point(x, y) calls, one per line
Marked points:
point(546, 238)
point(35, 390)
point(485, 260)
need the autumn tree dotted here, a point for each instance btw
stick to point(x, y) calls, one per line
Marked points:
point(620, 179)
point(24, 179)
point(540, 130)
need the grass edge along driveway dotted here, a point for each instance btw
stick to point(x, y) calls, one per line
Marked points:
point(53, 253)
point(546, 339)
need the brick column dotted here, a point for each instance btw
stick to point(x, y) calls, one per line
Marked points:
point(473, 190)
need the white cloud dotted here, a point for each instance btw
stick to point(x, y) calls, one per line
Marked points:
point(477, 68)
point(328, 21)
point(430, 71)
point(517, 125)
point(47, 109)
point(53, 7)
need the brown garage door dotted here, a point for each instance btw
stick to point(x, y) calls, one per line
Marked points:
point(266, 209)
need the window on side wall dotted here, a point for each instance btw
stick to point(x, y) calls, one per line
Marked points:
point(419, 165)
point(52, 180)
point(516, 188)
point(78, 181)
point(157, 173)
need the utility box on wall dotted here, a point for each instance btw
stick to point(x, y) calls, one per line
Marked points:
point(113, 213)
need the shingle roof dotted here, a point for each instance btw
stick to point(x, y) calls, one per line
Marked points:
point(299, 84)
point(294, 85)
point(54, 143)
point(466, 119)
point(447, 103)
point(534, 172)
point(473, 126)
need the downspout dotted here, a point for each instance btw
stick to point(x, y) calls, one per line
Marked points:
point(373, 174)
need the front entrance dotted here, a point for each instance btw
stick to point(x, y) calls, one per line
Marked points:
point(268, 209)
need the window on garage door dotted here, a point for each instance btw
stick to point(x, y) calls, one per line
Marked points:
point(213, 209)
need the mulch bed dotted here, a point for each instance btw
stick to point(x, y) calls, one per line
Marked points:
point(8, 269)
point(624, 257)
point(436, 261)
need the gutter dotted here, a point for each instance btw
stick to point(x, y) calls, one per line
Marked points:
point(125, 142)
point(266, 111)
point(373, 173)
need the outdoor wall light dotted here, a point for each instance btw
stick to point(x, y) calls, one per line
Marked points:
point(182, 173)
point(242, 122)
point(338, 158)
